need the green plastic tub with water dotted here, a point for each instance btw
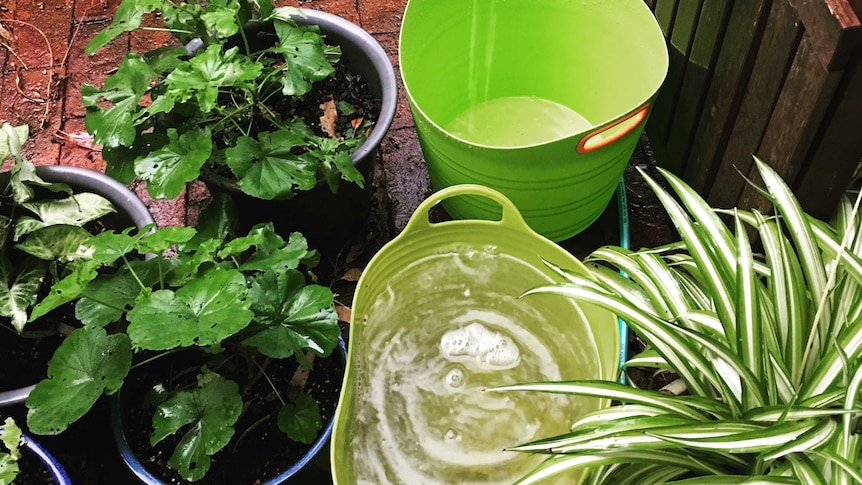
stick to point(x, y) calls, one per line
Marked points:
point(437, 317)
point(542, 100)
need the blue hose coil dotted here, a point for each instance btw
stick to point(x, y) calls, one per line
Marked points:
point(623, 211)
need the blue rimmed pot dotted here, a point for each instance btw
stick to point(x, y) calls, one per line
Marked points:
point(130, 211)
point(32, 449)
point(147, 472)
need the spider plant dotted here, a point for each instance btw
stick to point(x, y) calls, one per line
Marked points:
point(766, 337)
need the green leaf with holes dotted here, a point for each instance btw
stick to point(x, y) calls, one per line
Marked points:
point(203, 312)
point(87, 364)
point(208, 413)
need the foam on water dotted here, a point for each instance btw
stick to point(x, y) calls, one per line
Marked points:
point(430, 348)
point(490, 349)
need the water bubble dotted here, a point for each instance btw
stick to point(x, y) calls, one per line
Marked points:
point(466, 292)
point(455, 378)
point(452, 435)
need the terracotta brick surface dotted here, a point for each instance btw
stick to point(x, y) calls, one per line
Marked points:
point(142, 42)
point(76, 147)
point(168, 212)
point(90, 10)
point(33, 42)
point(42, 148)
point(382, 16)
point(83, 69)
point(342, 8)
point(28, 100)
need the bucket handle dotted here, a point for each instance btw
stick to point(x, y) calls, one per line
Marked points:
point(606, 135)
point(511, 216)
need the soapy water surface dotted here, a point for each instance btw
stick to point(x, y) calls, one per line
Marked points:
point(448, 327)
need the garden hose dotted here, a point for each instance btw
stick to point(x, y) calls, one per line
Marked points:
point(623, 213)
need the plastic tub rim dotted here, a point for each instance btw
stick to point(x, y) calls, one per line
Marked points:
point(595, 127)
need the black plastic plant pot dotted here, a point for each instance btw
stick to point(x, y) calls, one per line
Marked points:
point(329, 219)
point(130, 211)
point(147, 476)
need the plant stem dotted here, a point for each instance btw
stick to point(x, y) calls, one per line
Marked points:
point(132, 271)
point(161, 29)
point(156, 357)
point(265, 376)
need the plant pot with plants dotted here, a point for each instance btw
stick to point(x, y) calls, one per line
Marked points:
point(283, 105)
point(23, 460)
point(47, 213)
point(213, 340)
point(765, 339)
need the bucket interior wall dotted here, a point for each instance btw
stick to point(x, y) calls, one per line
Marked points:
point(595, 57)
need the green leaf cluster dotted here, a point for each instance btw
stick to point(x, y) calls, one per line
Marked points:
point(42, 233)
point(766, 337)
point(10, 453)
point(203, 290)
point(166, 115)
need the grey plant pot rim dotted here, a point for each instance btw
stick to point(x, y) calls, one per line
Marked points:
point(86, 180)
point(146, 477)
point(382, 66)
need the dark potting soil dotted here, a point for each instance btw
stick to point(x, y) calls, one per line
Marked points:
point(26, 356)
point(258, 451)
point(32, 470)
point(342, 86)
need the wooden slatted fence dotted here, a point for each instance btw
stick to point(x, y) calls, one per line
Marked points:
point(780, 79)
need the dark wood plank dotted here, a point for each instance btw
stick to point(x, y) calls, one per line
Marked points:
point(701, 62)
point(777, 49)
point(803, 101)
point(735, 59)
point(838, 148)
point(661, 123)
point(665, 11)
point(835, 29)
point(658, 123)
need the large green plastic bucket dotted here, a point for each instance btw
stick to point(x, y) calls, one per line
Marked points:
point(542, 100)
point(437, 318)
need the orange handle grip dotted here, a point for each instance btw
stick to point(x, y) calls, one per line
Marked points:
point(608, 134)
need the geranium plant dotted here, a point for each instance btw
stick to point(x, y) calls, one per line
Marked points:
point(227, 299)
point(227, 108)
point(43, 231)
point(767, 342)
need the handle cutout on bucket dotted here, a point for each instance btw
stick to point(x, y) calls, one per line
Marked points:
point(509, 215)
point(611, 133)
